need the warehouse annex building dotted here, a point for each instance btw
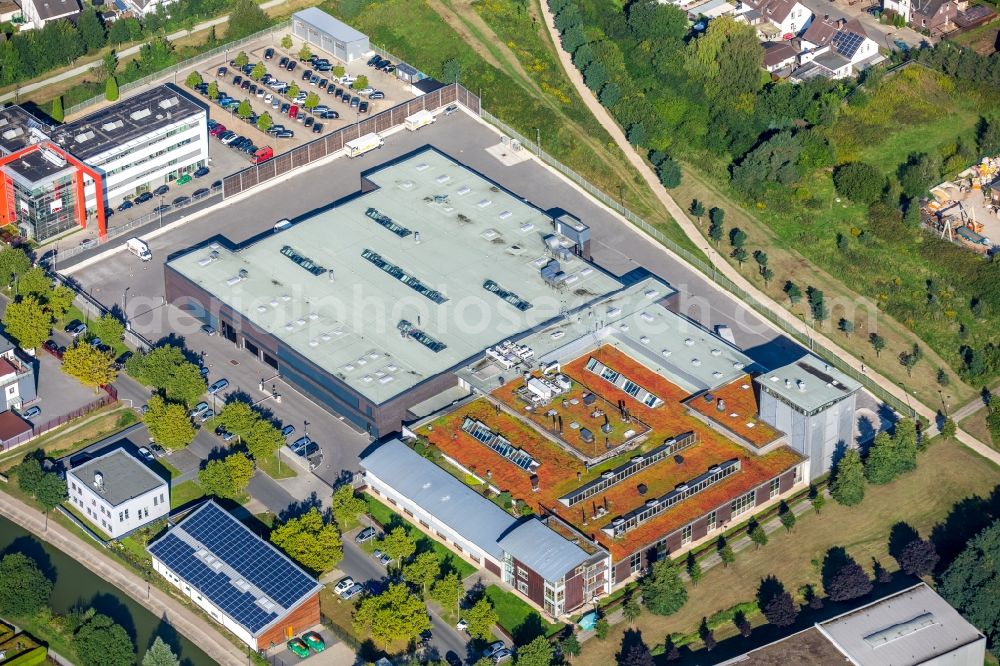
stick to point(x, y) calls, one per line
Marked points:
point(243, 582)
point(323, 31)
point(55, 178)
point(370, 306)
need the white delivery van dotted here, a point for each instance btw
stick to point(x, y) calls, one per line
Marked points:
point(418, 120)
point(363, 144)
point(139, 248)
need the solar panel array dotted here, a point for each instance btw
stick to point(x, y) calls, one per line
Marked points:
point(254, 561)
point(847, 43)
point(499, 443)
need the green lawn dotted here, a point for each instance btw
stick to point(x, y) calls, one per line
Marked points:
point(946, 474)
point(185, 492)
point(519, 619)
point(271, 466)
point(449, 560)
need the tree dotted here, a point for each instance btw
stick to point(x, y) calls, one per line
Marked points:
point(631, 610)
point(877, 342)
point(817, 304)
point(264, 122)
point(988, 136)
point(448, 591)
point(726, 61)
point(111, 89)
point(880, 465)
point(737, 237)
point(918, 558)
point(186, 384)
point(602, 628)
point(309, 540)
point(848, 485)
point(948, 428)
point(818, 502)
point(29, 472)
point(108, 328)
point(258, 71)
point(740, 255)
point(786, 516)
point(570, 646)
point(14, 262)
point(244, 110)
point(859, 181)
point(451, 70)
point(669, 170)
point(286, 42)
point(693, 568)
point(28, 322)
point(392, 615)
point(638, 655)
point(767, 274)
point(213, 91)
point(57, 112)
point(481, 618)
point(263, 440)
point(774, 160)
point(60, 300)
point(312, 101)
point(849, 582)
point(595, 75)
point(232, 479)
point(423, 570)
point(169, 424)
point(757, 535)
point(697, 209)
point(91, 30)
point(716, 232)
point(167, 369)
point(339, 71)
point(193, 80)
point(536, 653)
point(119, 32)
point(102, 642)
point(89, 365)
point(305, 52)
point(398, 545)
point(725, 551)
point(793, 292)
point(160, 654)
point(610, 95)
point(345, 505)
point(242, 59)
point(35, 281)
point(971, 582)
point(238, 417)
point(663, 591)
point(780, 610)
point(846, 326)
point(920, 172)
point(360, 83)
point(51, 492)
point(24, 587)
point(293, 91)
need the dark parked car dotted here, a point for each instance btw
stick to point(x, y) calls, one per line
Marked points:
point(309, 121)
point(237, 80)
point(363, 107)
point(245, 85)
point(222, 71)
point(125, 205)
point(201, 172)
point(161, 190)
point(285, 134)
point(355, 102)
point(317, 128)
point(143, 198)
point(268, 54)
point(180, 201)
point(306, 75)
point(283, 62)
point(161, 209)
point(331, 114)
point(217, 184)
point(291, 66)
point(339, 93)
point(203, 192)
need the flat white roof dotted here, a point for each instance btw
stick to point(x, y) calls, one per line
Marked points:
point(365, 289)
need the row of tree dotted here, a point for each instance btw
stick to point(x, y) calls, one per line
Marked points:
point(887, 457)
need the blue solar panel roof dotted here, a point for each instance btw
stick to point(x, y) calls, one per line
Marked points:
point(246, 577)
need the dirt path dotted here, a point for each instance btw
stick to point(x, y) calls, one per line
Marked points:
point(723, 266)
point(161, 604)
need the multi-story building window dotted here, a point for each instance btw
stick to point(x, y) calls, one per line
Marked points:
point(775, 487)
point(713, 520)
point(685, 535)
point(635, 562)
point(743, 503)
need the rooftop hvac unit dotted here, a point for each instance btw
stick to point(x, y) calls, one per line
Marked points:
point(99, 481)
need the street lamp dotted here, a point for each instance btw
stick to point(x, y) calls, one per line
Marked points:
point(125, 303)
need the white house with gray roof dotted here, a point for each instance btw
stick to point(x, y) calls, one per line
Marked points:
point(118, 493)
point(556, 574)
point(814, 404)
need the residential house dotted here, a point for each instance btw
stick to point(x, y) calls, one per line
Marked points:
point(142, 7)
point(913, 626)
point(37, 13)
point(835, 49)
point(243, 582)
point(788, 17)
point(118, 493)
point(14, 430)
point(936, 16)
point(17, 376)
point(779, 56)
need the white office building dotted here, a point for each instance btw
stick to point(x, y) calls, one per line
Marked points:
point(139, 143)
point(118, 493)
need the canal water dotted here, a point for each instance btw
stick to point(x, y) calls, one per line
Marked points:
point(75, 585)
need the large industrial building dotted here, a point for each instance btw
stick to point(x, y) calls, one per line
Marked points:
point(55, 178)
point(370, 306)
point(323, 31)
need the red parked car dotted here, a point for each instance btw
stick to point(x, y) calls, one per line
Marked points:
point(293, 112)
point(217, 130)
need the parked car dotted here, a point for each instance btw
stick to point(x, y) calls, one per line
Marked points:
point(198, 409)
point(327, 115)
point(161, 190)
point(293, 111)
point(283, 62)
point(355, 102)
point(323, 83)
point(331, 88)
point(314, 641)
point(462, 625)
point(306, 75)
point(365, 535)
point(374, 59)
point(222, 72)
point(206, 415)
point(208, 330)
point(237, 80)
point(501, 656)
point(32, 412)
point(201, 193)
point(125, 205)
point(450, 109)
point(287, 430)
point(381, 557)
point(245, 85)
point(378, 94)
point(291, 66)
point(142, 198)
point(344, 584)
point(317, 128)
point(268, 98)
point(493, 648)
point(274, 129)
point(352, 592)
point(217, 130)
point(268, 54)
point(52, 347)
point(363, 107)
point(218, 386)
point(182, 201)
point(285, 134)
point(158, 450)
point(76, 328)
point(162, 208)
point(146, 453)
point(225, 435)
point(285, 107)
point(298, 646)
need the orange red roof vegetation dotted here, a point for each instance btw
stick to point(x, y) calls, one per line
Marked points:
point(740, 411)
point(558, 471)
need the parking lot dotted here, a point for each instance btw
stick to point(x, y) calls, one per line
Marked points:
point(236, 84)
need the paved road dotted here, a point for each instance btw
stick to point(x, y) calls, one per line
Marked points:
point(363, 568)
point(79, 71)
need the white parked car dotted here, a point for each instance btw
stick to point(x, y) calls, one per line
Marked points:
point(462, 625)
point(268, 98)
point(344, 585)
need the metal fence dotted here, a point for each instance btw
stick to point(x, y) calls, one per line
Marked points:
point(707, 269)
point(94, 309)
point(148, 218)
point(328, 144)
point(199, 59)
point(110, 397)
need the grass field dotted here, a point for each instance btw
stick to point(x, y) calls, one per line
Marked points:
point(185, 492)
point(70, 437)
point(975, 425)
point(519, 619)
point(946, 474)
point(270, 466)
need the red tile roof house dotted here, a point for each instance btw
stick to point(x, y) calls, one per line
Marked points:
point(935, 16)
